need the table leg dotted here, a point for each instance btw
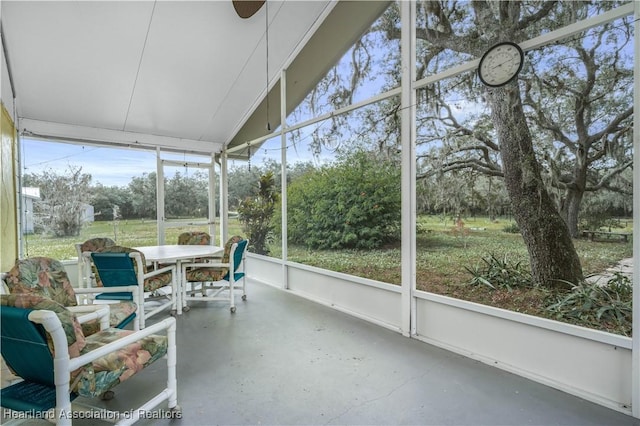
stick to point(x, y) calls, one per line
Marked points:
point(179, 297)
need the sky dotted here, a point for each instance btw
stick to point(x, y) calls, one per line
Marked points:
point(116, 167)
point(108, 166)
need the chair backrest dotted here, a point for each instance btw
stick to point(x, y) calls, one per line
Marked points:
point(19, 334)
point(95, 244)
point(194, 238)
point(24, 346)
point(227, 248)
point(84, 269)
point(238, 254)
point(42, 276)
point(115, 269)
point(122, 249)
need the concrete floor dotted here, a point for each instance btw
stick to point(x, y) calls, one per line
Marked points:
point(283, 360)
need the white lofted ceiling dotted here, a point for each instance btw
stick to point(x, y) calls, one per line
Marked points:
point(185, 74)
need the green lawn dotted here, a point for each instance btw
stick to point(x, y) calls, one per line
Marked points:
point(130, 233)
point(444, 252)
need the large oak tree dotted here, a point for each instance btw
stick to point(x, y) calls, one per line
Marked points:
point(467, 29)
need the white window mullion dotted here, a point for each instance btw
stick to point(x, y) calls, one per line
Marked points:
point(408, 179)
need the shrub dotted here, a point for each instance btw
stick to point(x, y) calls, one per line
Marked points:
point(512, 228)
point(352, 203)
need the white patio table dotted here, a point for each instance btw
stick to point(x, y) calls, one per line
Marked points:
point(174, 253)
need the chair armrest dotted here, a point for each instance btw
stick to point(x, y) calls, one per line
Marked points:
point(91, 290)
point(86, 313)
point(168, 324)
point(207, 259)
point(52, 324)
point(162, 270)
point(206, 265)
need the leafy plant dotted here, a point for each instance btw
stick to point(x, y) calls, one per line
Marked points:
point(594, 304)
point(500, 273)
point(621, 284)
point(255, 214)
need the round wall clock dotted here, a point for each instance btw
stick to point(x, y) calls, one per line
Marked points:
point(500, 64)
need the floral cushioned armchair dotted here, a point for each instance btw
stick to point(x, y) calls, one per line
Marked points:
point(110, 356)
point(205, 274)
point(93, 379)
point(44, 276)
point(217, 280)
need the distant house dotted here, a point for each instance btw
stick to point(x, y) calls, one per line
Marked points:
point(28, 195)
point(87, 214)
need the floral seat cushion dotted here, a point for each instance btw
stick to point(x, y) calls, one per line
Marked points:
point(118, 313)
point(97, 377)
point(44, 276)
point(196, 238)
point(151, 283)
point(106, 372)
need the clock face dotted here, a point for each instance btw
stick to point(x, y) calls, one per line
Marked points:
point(500, 64)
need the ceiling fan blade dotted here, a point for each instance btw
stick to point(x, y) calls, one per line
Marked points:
point(247, 8)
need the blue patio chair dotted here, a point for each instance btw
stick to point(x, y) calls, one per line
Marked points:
point(118, 266)
point(43, 344)
point(217, 279)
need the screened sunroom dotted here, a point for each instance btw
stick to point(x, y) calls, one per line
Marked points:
point(438, 195)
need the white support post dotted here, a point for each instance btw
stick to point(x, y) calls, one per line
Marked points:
point(283, 175)
point(17, 175)
point(224, 200)
point(635, 348)
point(159, 197)
point(212, 201)
point(408, 179)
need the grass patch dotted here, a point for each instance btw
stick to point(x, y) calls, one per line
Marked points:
point(129, 233)
point(444, 257)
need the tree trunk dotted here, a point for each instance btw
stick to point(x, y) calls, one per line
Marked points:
point(554, 260)
point(571, 210)
point(575, 192)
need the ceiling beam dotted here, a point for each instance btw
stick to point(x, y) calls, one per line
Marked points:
point(114, 138)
